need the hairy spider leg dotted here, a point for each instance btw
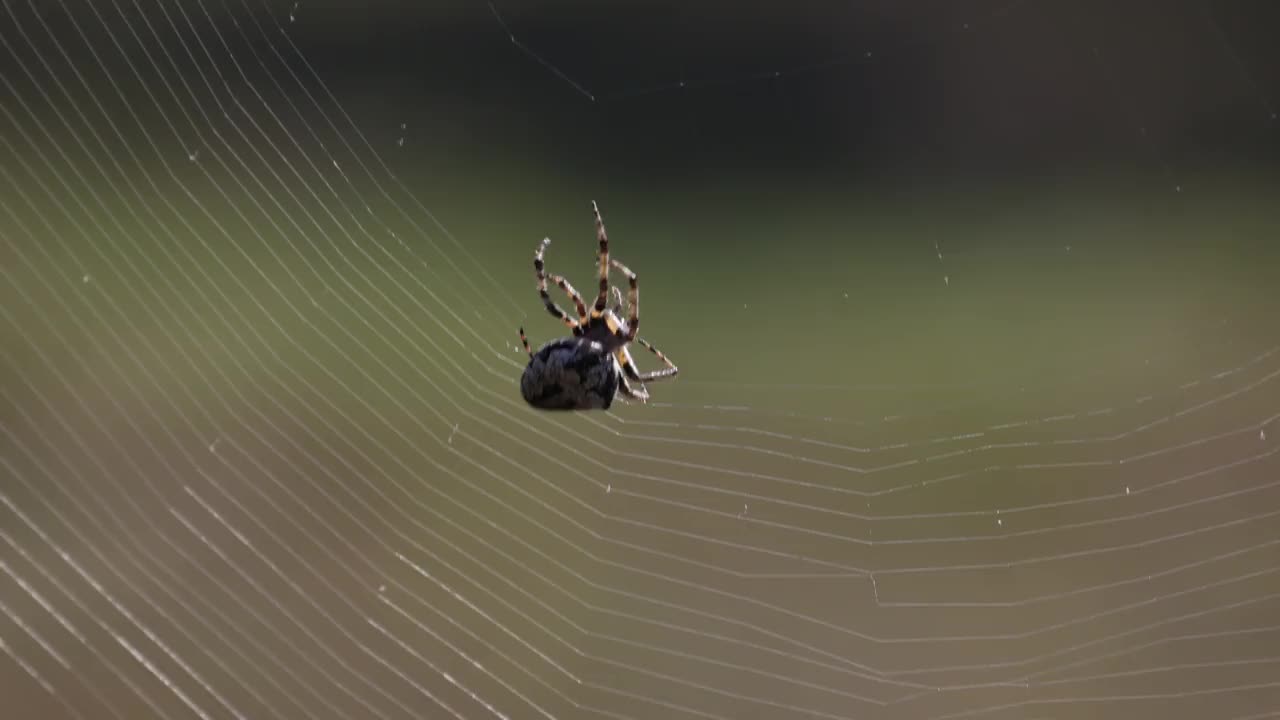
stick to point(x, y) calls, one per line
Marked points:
point(525, 341)
point(633, 302)
point(602, 299)
point(617, 300)
point(669, 371)
point(564, 285)
point(628, 364)
point(640, 395)
point(578, 304)
point(539, 270)
point(629, 371)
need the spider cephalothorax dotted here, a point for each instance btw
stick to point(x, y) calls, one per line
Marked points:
point(587, 370)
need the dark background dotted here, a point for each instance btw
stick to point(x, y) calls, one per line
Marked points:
point(865, 90)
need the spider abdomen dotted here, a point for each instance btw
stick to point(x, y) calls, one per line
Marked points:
point(570, 374)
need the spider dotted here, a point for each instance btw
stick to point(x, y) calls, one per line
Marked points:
point(588, 370)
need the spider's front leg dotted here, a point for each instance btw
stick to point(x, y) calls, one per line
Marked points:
point(602, 299)
point(539, 270)
point(633, 302)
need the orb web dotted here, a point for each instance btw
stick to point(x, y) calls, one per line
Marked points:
point(264, 456)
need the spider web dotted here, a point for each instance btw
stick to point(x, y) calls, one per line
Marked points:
point(263, 453)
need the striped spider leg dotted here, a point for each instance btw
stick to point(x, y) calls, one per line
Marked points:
point(617, 301)
point(539, 266)
point(627, 332)
point(602, 298)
